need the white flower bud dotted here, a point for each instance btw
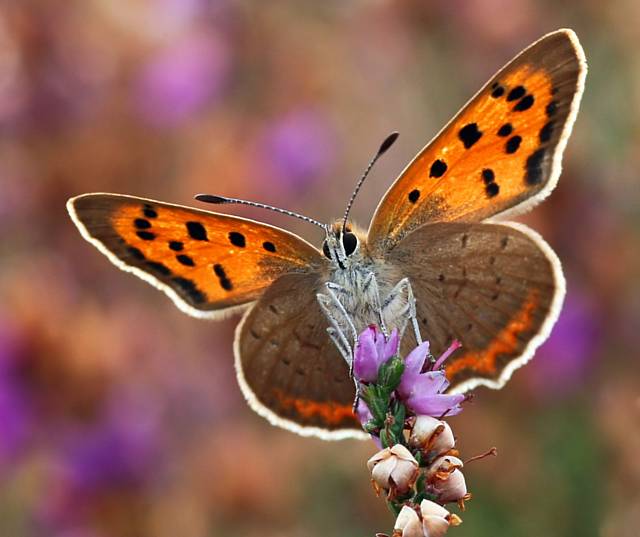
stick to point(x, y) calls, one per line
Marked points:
point(436, 519)
point(453, 489)
point(394, 468)
point(423, 429)
point(408, 524)
point(444, 465)
point(429, 508)
point(447, 480)
point(431, 434)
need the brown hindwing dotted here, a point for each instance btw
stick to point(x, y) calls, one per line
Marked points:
point(495, 288)
point(288, 368)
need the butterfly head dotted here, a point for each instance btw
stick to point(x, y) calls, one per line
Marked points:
point(342, 244)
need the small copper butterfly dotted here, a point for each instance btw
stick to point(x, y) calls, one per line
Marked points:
point(495, 286)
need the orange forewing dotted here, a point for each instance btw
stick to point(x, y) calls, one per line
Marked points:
point(498, 152)
point(210, 261)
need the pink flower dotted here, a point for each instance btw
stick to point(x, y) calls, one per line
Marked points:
point(422, 391)
point(373, 350)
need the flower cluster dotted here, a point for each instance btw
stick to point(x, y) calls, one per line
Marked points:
point(402, 405)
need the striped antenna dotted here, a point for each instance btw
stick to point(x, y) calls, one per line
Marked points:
point(221, 200)
point(388, 142)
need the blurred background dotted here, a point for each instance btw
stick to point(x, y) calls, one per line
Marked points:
point(120, 416)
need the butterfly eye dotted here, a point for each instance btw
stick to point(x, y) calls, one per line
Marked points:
point(325, 250)
point(350, 242)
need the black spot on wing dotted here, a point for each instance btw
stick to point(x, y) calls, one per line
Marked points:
point(533, 167)
point(516, 93)
point(269, 246)
point(225, 282)
point(414, 196)
point(149, 211)
point(438, 168)
point(197, 231)
point(237, 239)
point(505, 130)
point(552, 108)
point(176, 246)
point(141, 223)
point(146, 235)
point(524, 104)
point(492, 189)
point(469, 135)
point(488, 176)
point(498, 91)
point(185, 260)
point(513, 144)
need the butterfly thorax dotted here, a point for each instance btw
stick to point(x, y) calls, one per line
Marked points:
point(363, 282)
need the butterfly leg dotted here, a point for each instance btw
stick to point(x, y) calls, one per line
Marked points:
point(370, 288)
point(336, 337)
point(401, 304)
point(413, 317)
point(335, 331)
point(340, 320)
point(335, 290)
point(329, 304)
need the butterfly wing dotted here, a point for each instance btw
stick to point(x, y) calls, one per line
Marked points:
point(289, 370)
point(207, 263)
point(500, 154)
point(497, 288)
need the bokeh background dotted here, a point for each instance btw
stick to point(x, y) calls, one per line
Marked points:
point(121, 417)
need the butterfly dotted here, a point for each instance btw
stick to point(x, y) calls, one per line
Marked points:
point(495, 286)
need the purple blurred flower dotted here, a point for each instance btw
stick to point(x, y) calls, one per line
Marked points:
point(298, 148)
point(180, 12)
point(422, 391)
point(117, 451)
point(15, 420)
point(181, 80)
point(16, 412)
point(373, 350)
point(563, 361)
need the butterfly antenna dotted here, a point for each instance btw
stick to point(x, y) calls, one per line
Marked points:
point(388, 142)
point(221, 200)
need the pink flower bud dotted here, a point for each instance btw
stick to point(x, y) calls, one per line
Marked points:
point(408, 524)
point(432, 435)
point(436, 519)
point(394, 469)
point(373, 350)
